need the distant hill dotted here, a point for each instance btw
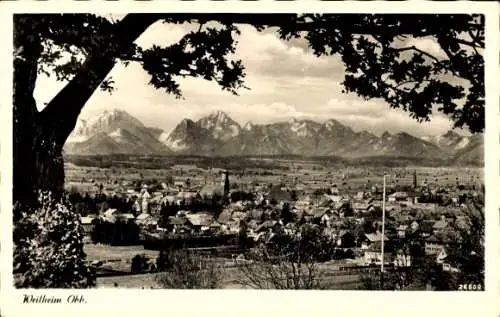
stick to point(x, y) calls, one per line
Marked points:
point(117, 132)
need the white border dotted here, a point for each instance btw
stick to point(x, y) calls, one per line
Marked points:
point(256, 303)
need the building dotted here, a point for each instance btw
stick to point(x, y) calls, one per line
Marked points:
point(179, 184)
point(111, 212)
point(142, 203)
point(373, 255)
point(211, 191)
point(434, 245)
point(401, 230)
point(450, 264)
point(168, 200)
point(110, 215)
point(440, 225)
point(87, 224)
point(321, 215)
point(266, 226)
point(414, 226)
point(146, 220)
point(397, 197)
point(126, 217)
point(177, 224)
point(361, 196)
point(401, 259)
point(231, 226)
point(361, 207)
point(200, 222)
point(425, 227)
point(186, 198)
point(371, 238)
point(225, 216)
point(304, 201)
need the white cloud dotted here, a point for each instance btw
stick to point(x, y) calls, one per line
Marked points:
point(426, 44)
point(354, 106)
point(265, 113)
point(163, 34)
point(265, 53)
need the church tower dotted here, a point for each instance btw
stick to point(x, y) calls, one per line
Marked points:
point(415, 199)
point(226, 184)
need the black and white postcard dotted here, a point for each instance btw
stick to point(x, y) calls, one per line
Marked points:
point(250, 158)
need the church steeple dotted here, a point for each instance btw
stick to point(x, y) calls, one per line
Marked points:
point(226, 184)
point(415, 186)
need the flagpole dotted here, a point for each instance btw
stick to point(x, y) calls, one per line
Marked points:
point(383, 235)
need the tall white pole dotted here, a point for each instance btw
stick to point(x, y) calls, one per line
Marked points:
point(383, 227)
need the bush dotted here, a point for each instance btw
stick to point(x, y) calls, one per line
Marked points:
point(288, 262)
point(185, 270)
point(48, 246)
point(370, 281)
point(263, 270)
point(139, 264)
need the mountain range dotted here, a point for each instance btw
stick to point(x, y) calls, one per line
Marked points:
point(117, 132)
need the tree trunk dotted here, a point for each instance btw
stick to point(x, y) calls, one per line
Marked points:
point(37, 155)
point(27, 52)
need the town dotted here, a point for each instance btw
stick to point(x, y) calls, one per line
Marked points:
point(224, 214)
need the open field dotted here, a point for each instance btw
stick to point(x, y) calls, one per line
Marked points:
point(128, 281)
point(115, 253)
point(230, 281)
point(310, 174)
point(120, 258)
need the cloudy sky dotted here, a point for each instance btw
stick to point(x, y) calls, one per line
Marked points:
point(285, 78)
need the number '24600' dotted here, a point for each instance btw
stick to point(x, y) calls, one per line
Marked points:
point(470, 287)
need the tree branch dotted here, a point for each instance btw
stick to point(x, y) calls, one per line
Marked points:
point(414, 48)
point(458, 68)
point(471, 44)
point(475, 37)
point(63, 110)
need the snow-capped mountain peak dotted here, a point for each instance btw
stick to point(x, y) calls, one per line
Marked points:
point(115, 131)
point(220, 125)
point(329, 124)
point(462, 143)
point(113, 117)
point(248, 126)
point(449, 140)
point(385, 135)
point(214, 119)
point(111, 129)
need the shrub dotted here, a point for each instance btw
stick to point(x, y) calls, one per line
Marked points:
point(370, 281)
point(186, 270)
point(262, 270)
point(139, 264)
point(288, 262)
point(48, 246)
